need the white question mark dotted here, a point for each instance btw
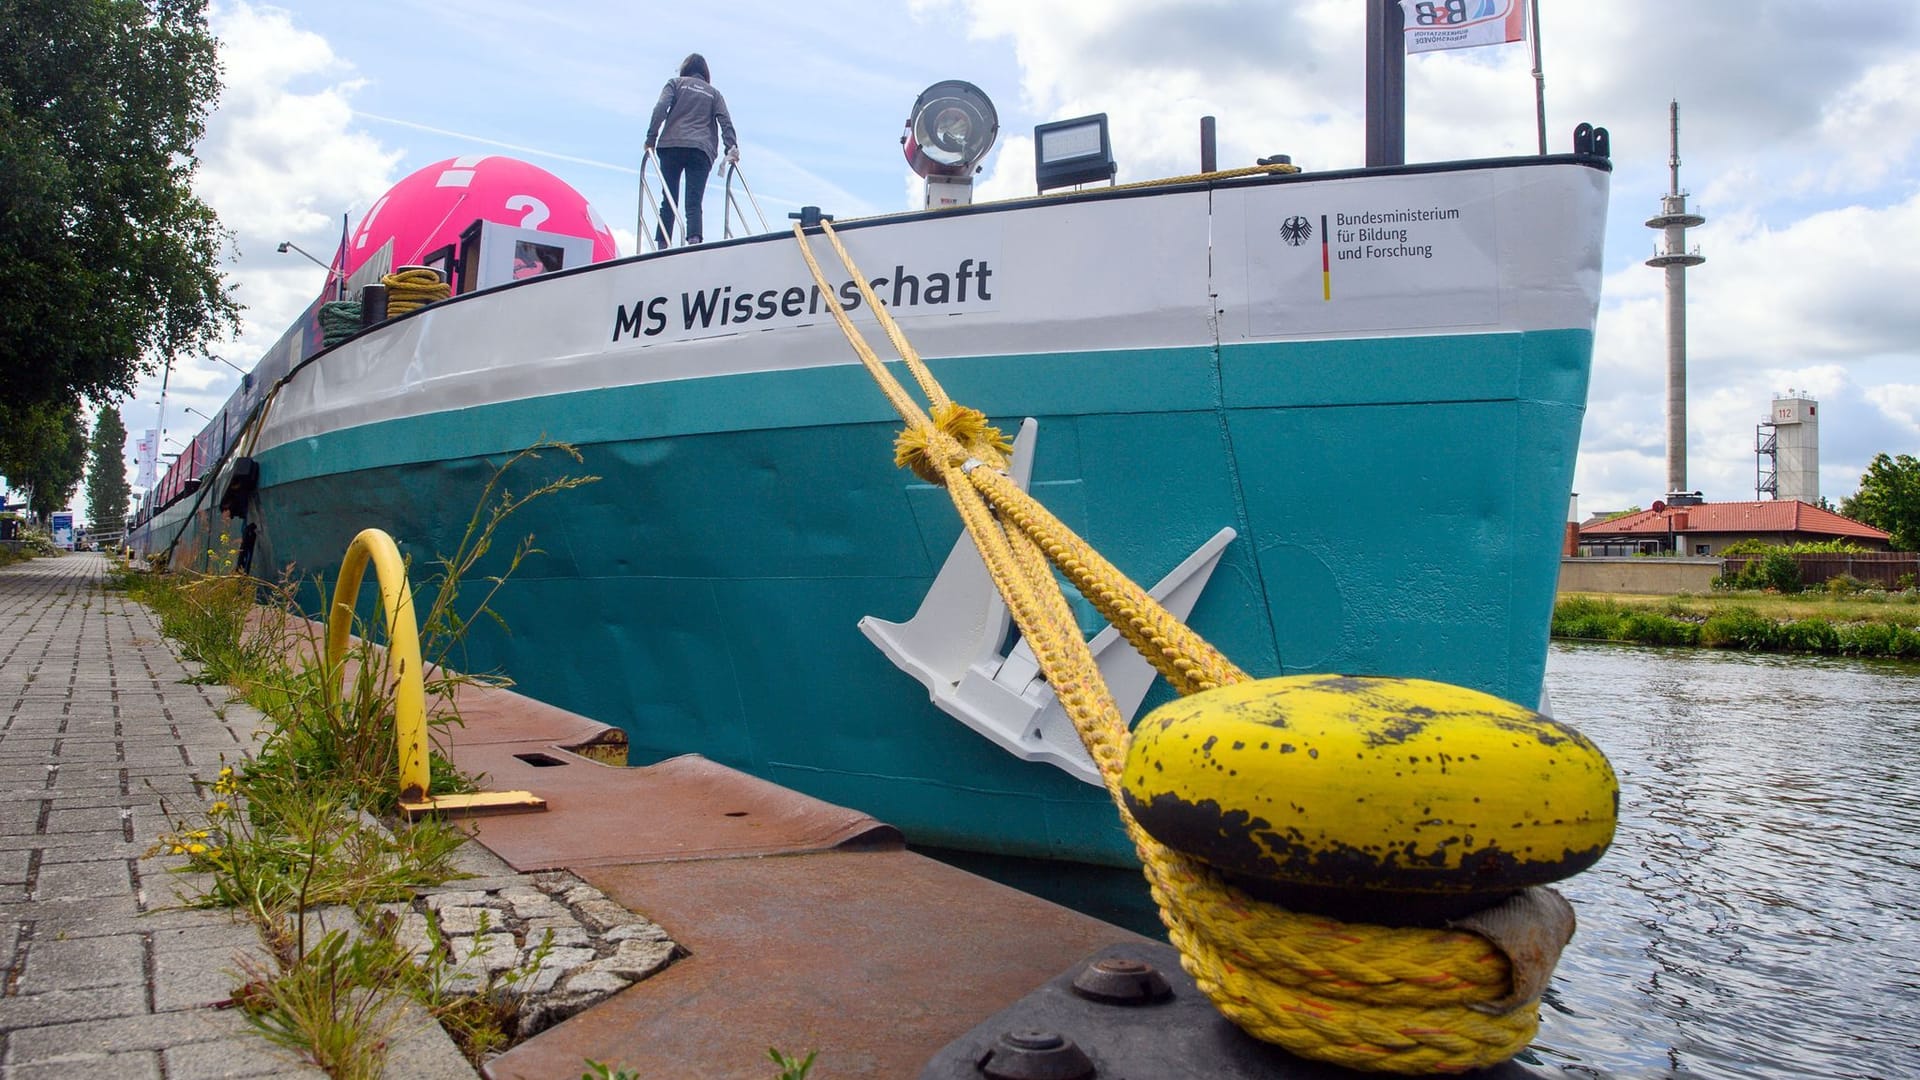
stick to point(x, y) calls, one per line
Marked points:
point(536, 210)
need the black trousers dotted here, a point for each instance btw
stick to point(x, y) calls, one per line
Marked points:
point(677, 162)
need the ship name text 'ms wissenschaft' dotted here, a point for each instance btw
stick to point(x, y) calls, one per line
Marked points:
point(729, 305)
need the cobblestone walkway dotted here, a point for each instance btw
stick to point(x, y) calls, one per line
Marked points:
point(106, 974)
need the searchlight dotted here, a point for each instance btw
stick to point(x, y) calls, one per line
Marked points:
point(951, 127)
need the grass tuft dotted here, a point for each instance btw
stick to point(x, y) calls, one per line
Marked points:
point(310, 821)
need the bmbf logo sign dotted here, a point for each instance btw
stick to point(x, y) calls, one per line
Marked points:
point(1296, 230)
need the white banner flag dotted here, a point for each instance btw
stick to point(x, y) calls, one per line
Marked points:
point(1462, 24)
point(146, 450)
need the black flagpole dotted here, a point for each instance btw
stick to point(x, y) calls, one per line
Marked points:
point(1386, 84)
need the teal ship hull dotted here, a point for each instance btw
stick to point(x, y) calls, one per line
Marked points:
point(1396, 493)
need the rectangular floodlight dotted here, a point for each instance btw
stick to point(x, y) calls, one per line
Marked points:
point(1072, 152)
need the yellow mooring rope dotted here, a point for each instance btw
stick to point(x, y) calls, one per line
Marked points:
point(1368, 997)
point(409, 290)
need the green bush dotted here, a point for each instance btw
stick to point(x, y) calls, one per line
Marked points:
point(1747, 577)
point(1808, 635)
point(1592, 620)
point(1868, 639)
point(1646, 628)
point(1779, 571)
point(1752, 546)
point(1738, 629)
point(1844, 585)
point(1905, 643)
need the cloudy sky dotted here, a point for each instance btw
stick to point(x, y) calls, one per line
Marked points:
point(1798, 134)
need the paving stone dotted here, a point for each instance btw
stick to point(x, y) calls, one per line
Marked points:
point(638, 959)
point(54, 839)
point(65, 1006)
point(230, 1059)
point(638, 930)
point(13, 866)
point(197, 978)
point(495, 951)
point(79, 963)
point(603, 914)
point(467, 920)
point(80, 1040)
point(235, 933)
point(567, 936)
point(462, 897)
point(81, 880)
point(132, 1066)
point(422, 1050)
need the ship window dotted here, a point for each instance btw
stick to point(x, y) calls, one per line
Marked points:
point(531, 259)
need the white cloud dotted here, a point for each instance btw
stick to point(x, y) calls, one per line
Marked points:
point(1868, 130)
point(280, 161)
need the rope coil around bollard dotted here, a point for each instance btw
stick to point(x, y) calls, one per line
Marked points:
point(1377, 998)
point(412, 289)
point(339, 320)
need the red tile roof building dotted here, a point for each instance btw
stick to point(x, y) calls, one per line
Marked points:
point(1706, 528)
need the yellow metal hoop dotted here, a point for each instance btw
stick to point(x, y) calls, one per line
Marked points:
point(403, 645)
point(410, 695)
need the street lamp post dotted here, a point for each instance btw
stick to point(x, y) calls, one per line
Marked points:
point(246, 377)
point(288, 245)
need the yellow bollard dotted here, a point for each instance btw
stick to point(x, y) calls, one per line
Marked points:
point(410, 697)
point(403, 644)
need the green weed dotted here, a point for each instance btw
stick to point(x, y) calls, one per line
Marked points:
point(337, 1004)
point(296, 827)
point(791, 1068)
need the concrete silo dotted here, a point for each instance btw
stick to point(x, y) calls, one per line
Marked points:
point(1787, 450)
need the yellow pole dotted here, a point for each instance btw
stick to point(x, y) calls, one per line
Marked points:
point(403, 647)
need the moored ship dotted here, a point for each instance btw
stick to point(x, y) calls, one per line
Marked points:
point(1335, 414)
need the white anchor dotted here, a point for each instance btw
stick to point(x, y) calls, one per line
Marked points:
point(952, 645)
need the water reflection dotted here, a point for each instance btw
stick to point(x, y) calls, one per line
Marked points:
point(1756, 916)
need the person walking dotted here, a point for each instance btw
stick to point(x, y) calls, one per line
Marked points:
point(682, 134)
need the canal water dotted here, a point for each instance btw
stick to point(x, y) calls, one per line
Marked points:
point(1759, 912)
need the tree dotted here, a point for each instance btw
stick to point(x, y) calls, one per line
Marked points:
point(108, 261)
point(44, 451)
point(107, 490)
point(1889, 499)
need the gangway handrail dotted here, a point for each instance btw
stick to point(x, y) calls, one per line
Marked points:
point(732, 204)
point(640, 240)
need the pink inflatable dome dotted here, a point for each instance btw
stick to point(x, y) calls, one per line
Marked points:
point(428, 209)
